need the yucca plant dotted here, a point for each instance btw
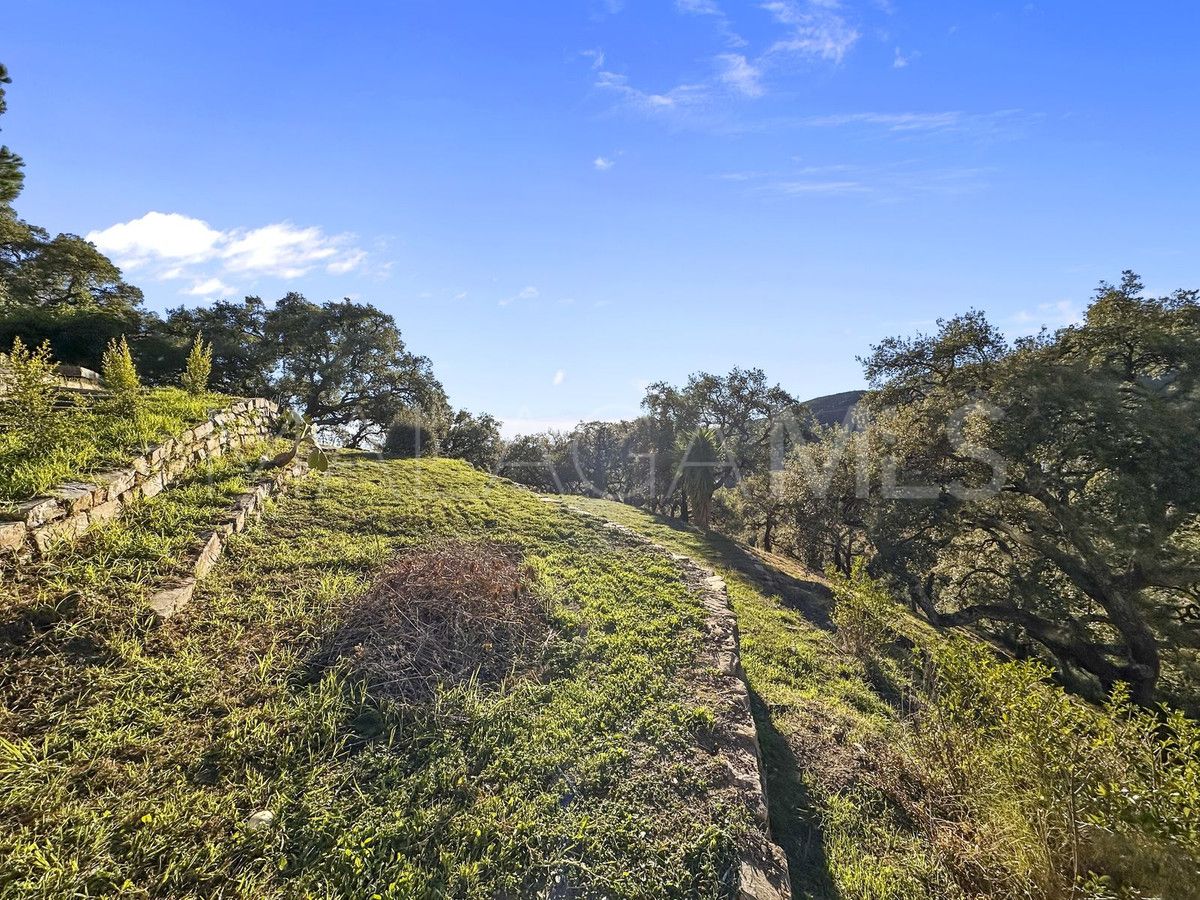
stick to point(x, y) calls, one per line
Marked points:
point(699, 455)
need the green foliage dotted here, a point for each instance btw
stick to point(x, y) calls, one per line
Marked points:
point(199, 367)
point(342, 364)
point(1092, 434)
point(473, 439)
point(1053, 790)
point(862, 612)
point(11, 176)
point(700, 464)
point(120, 376)
point(88, 436)
point(408, 439)
point(29, 396)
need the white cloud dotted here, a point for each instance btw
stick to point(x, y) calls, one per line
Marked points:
point(596, 56)
point(816, 29)
point(1000, 124)
point(159, 237)
point(559, 377)
point(900, 60)
point(698, 7)
point(182, 246)
point(210, 287)
point(526, 293)
point(678, 97)
point(602, 163)
point(820, 187)
point(740, 74)
point(347, 263)
point(1051, 315)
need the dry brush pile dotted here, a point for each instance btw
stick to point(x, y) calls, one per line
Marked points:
point(442, 615)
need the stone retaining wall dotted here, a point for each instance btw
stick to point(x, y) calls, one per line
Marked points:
point(172, 596)
point(65, 512)
point(73, 378)
point(762, 871)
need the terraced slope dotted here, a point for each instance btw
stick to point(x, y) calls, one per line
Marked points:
point(211, 755)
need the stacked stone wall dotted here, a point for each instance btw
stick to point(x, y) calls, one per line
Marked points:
point(67, 511)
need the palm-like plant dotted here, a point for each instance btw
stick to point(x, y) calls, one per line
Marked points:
point(699, 455)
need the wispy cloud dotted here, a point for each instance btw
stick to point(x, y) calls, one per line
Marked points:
point(698, 7)
point(901, 61)
point(680, 97)
point(993, 123)
point(526, 293)
point(879, 183)
point(596, 56)
point(818, 187)
point(816, 28)
point(170, 246)
point(741, 75)
point(559, 377)
point(1049, 315)
point(602, 163)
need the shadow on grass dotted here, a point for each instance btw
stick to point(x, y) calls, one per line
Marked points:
point(810, 598)
point(795, 819)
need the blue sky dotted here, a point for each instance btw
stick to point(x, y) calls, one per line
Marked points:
point(560, 202)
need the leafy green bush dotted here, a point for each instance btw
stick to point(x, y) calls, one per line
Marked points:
point(1030, 791)
point(30, 395)
point(120, 375)
point(199, 367)
point(408, 440)
point(861, 612)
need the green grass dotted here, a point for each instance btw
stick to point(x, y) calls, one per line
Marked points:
point(823, 719)
point(133, 754)
point(93, 436)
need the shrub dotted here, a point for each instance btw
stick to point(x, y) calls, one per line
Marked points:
point(198, 368)
point(29, 396)
point(441, 616)
point(1029, 791)
point(409, 440)
point(120, 374)
point(862, 608)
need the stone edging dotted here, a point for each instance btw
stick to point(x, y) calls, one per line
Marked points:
point(174, 595)
point(762, 868)
point(65, 512)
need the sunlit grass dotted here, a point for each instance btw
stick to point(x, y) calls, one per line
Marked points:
point(134, 754)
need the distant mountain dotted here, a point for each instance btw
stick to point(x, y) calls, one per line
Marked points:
point(832, 408)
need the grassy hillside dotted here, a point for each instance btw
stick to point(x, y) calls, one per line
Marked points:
point(820, 716)
point(135, 756)
point(904, 763)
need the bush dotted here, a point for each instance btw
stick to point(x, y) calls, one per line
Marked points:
point(1029, 791)
point(29, 397)
point(862, 610)
point(409, 440)
point(198, 368)
point(120, 375)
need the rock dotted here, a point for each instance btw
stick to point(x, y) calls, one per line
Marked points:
point(12, 535)
point(172, 598)
point(68, 528)
point(257, 821)
point(209, 554)
point(115, 482)
point(35, 512)
point(75, 496)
